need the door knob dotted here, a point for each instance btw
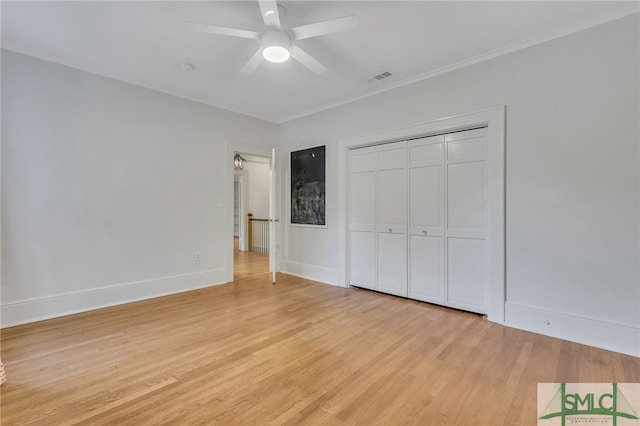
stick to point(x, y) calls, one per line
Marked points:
point(389, 229)
point(424, 232)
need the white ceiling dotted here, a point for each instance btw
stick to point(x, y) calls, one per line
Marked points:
point(143, 43)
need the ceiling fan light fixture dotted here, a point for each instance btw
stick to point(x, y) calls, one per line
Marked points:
point(276, 46)
point(276, 53)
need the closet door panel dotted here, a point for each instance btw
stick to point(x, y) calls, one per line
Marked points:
point(466, 220)
point(363, 259)
point(362, 219)
point(392, 219)
point(470, 145)
point(425, 200)
point(426, 151)
point(426, 268)
point(392, 263)
point(392, 156)
point(392, 198)
point(362, 160)
point(466, 197)
point(426, 217)
point(466, 273)
point(362, 194)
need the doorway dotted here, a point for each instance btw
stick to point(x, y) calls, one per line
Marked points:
point(251, 213)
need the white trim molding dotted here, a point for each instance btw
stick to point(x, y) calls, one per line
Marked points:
point(57, 305)
point(495, 120)
point(618, 337)
point(312, 272)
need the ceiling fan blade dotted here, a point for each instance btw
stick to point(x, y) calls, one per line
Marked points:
point(325, 27)
point(307, 60)
point(253, 63)
point(214, 29)
point(269, 9)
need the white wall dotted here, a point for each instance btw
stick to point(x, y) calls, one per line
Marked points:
point(572, 182)
point(109, 189)
point(258, 188)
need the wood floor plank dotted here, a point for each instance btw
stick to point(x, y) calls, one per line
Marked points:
point(298, 352)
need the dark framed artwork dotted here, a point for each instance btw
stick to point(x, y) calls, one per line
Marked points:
point(308, 199)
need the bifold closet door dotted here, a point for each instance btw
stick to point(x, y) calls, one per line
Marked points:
point(418, 214)
point(392, 218)
point(426, 219)
point(362, 219)
point(466, 244)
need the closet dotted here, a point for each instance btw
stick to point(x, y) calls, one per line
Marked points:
point(417, 218)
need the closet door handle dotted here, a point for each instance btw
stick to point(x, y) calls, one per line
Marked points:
point(424, 232)
point(390, 230)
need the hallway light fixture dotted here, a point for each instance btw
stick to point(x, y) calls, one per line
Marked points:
point(238, 162)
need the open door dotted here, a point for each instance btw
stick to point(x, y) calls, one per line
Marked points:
point(273, 220)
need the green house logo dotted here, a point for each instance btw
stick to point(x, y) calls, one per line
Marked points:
point(588, 403)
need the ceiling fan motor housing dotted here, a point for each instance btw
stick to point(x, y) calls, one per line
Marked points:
point(276, 38)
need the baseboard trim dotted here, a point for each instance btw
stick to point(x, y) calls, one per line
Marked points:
point(312, 272)
point(47, 307)
point(623, 338)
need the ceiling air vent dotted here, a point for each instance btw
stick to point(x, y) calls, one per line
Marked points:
point(378, 77)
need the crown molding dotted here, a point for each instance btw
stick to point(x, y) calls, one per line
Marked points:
point(612, 15)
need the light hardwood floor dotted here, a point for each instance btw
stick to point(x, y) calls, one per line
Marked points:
point(297, 352)
point(248, 263)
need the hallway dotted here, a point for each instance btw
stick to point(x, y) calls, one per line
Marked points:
point(248, 264)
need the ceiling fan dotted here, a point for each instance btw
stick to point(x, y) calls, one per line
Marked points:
point(276, 42)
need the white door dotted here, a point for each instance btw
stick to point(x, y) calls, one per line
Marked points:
point(435, 208)
point(236, 206)
point(362, 217)
point(426, 219)
point(391, 226)
point(467, 215)
point(273, 219)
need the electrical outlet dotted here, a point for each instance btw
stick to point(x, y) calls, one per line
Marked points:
point(197, 256)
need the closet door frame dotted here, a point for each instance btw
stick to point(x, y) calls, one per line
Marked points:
point(494, 119)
